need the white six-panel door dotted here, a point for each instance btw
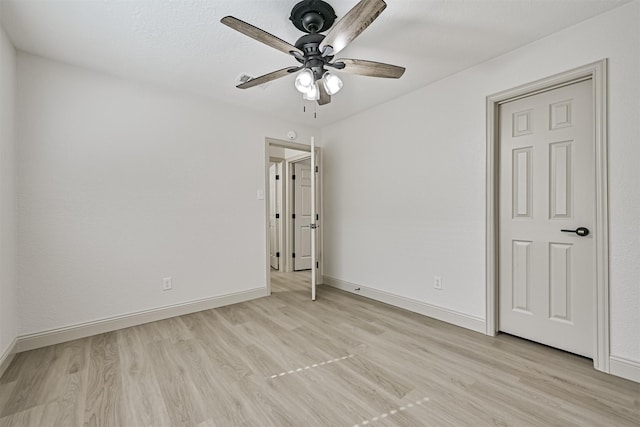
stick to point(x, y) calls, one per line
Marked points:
point(547, 276)
point(302, 210)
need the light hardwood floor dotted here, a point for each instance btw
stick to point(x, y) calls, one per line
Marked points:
point(287, 361)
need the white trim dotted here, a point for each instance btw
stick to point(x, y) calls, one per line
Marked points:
point(87, 329)
point(312, 225)
point(280, 209)
point(299, 157)
point(285, 257)
point(290, 203)
point(7, 356)
point(446, 315)
point(320, 210)
point(597, 72)
point(625, 368)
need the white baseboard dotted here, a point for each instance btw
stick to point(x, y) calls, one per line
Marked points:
point(7, 356)
point(625, 368)
point(446, 315)
point(82, 330)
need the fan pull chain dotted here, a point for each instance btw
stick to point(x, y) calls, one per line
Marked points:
point(315, 110)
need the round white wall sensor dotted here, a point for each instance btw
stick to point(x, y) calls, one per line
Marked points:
point(291, 134)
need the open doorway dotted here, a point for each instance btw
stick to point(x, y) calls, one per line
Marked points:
point(290, 216)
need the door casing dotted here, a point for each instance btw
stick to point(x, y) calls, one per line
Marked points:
point(279, 162)
point(294, 229)
point(287, 191)
point(597, 73)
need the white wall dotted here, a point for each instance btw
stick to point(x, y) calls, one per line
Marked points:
point(393, 221)
point(8, 278)
point(121, 184)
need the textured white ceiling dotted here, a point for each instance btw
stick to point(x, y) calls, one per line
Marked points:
point(182, 44)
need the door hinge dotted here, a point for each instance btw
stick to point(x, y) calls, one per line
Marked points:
point(293, 177)
point(277, 254)
point(293, 216)
point(316, 169)
point(277, 177)
point(277, 216)
point(317, 217)
point(293, 255)
point(317, 264)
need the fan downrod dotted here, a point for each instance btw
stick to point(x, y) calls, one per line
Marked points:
point(312, 16)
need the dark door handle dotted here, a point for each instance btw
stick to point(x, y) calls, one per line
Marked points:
point(580, 231)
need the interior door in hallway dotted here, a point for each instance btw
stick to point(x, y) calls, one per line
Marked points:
point(274, 215)
point(302, 211)
point(547, 179)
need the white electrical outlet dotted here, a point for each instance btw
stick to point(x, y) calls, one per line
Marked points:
point(166, 284)
point(437, 282)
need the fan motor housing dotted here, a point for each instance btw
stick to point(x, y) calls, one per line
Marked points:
point(313, 59)
point(309, 44)
point(313, 16)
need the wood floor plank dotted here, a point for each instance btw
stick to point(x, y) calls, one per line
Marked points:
point(6, 391)
point(15, 367)
point(143, 404)
point(56, 373)
point(284, 360)
point(220, 401)
point(261, 361)
point(309, 391)
point(33, 369)
point(27, 418)
point(221, 345)
point(104, 396)
point(183, 401)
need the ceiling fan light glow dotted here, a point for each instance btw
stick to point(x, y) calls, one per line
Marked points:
point(332, 83)
point(313, 94)
point(305, 81)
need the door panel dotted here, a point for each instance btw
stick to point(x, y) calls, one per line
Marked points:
point(560, 281)
point(521, 278)
point(302, 210)
point(546, 276)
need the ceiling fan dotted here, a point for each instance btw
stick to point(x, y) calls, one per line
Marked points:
point(316, 51)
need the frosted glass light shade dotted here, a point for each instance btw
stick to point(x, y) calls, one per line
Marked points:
point(313, 94)
point(305, 81)
point(332, 83)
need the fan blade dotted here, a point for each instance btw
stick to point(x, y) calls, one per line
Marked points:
point(259, 35)
point(370, 68)
point(268, 77)
point(352, 24)
point(325, 98)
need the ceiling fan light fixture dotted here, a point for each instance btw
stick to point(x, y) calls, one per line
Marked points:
point(305, 81)
point(332, 83)
point(313, 94)
point(314, 51)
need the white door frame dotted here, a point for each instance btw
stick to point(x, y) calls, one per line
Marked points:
point(272, 142)
point(291, 206)
point(597, 73)
point(279, 162)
